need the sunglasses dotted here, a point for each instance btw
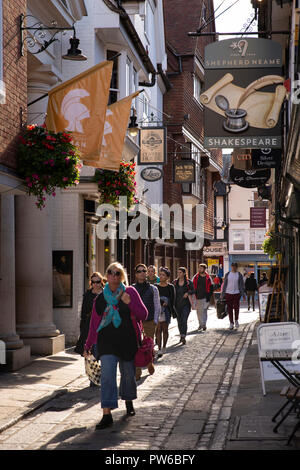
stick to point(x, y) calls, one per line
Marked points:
point(96, 282)
point(142, 271)
point(114, 273)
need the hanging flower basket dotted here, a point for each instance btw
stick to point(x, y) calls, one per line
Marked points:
point(46, 161)
point(114, 184)
point(269, 244)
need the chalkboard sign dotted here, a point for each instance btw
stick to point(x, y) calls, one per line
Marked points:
point(273, 315)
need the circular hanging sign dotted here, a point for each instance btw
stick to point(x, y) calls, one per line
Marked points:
point(151, 174)
point(249, 178)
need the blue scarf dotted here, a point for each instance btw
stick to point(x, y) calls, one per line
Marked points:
point(111, 313)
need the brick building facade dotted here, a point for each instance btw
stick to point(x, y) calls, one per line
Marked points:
point(185, 125)
point(14, 78)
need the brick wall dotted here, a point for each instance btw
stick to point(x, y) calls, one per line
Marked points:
point(15, 80)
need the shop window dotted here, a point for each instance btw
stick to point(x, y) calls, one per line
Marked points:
point(256, 239)
point(238, 237)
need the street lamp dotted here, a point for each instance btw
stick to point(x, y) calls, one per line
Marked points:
point(133, 127)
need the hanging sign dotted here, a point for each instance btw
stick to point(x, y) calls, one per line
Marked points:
point(249, 178)
point(266, 158)
point(184, 171)
point(258, 217)
point(151, 174)
point(152, 146)
point(244, 94)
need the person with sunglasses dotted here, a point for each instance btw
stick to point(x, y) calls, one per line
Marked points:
point(114, 326)
point(96, 287)
point(150, 296)
point(167, 300)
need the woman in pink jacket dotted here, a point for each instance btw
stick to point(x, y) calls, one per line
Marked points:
point(114, 327)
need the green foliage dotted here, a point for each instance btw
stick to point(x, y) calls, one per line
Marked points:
point(269, 244)
point(47, 160)
point(114, 184)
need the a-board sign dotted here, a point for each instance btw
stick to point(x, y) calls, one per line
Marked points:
point(277, 336)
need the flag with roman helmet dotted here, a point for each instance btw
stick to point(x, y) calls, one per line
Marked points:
point(79, 106)
point(116, 124)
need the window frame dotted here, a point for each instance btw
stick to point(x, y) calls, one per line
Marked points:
point(243, 241)
point(114, 93)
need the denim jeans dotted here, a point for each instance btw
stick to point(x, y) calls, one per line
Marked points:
point(182, 318)
point(109, 389)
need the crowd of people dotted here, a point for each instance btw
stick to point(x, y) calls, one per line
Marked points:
point(115, 317)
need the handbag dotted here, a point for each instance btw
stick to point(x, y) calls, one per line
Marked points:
point(222, 311)
point(145, 352)
point(92, 369)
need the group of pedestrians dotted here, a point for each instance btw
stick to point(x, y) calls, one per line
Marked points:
point(115, 316)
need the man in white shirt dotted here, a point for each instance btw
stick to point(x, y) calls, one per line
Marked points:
point(233, 289)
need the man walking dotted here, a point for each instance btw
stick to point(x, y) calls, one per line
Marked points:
point(233, 289)
point(203, 288)
point(150, 296)
point(251, 288)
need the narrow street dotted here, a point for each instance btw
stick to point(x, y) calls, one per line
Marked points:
point(186, 404)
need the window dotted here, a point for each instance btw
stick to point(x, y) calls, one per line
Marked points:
point(203, 186)
point(238, 238)
point(197, 88)
point(145, 108)
point(147, 19)
point(256, 239)
point(196, 187)
point(204, 13)
point(114, 84)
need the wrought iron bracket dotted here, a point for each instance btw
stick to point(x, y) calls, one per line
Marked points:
point(38, 33)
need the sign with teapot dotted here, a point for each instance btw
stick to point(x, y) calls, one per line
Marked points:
point(244, 94)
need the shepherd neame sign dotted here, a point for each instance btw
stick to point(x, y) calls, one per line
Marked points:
point(244, 94)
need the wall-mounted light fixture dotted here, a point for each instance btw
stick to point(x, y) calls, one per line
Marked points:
point(133, 127)
point(36, 33)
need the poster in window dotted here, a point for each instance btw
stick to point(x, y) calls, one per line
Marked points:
point(152, 146)
point(62, 265)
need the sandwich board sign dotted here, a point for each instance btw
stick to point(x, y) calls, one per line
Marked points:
point(277, 336)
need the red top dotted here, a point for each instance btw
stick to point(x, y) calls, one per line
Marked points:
point(207, 284)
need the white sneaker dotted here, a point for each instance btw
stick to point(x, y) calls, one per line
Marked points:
point(237, 324)
point(231, 326)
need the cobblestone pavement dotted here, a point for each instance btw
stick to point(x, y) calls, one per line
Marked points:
point(186, 404)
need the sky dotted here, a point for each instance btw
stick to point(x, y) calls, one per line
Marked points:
point(236, 18)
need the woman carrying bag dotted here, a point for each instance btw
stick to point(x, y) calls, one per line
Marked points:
point(184, 291)
point(96, 287)
point(115, 328)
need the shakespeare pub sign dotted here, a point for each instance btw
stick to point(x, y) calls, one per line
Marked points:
point(244, 94)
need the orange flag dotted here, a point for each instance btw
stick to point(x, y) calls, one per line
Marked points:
point(116, 124)
point(79, 106)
